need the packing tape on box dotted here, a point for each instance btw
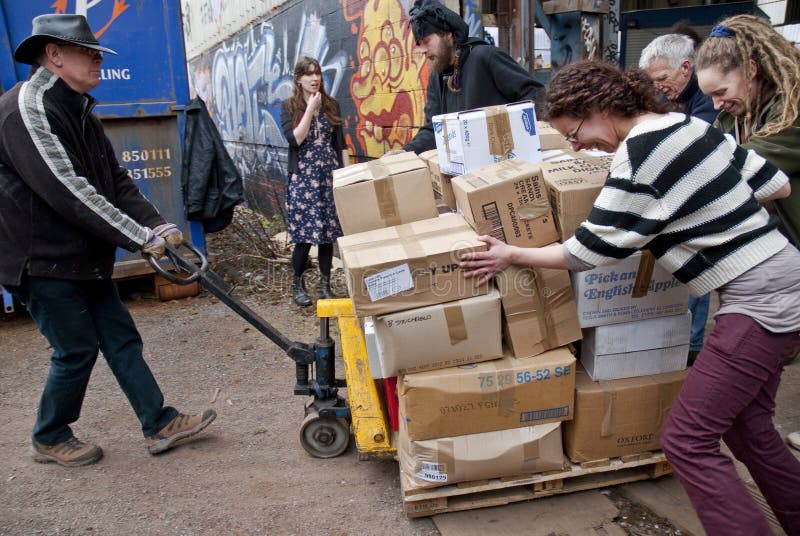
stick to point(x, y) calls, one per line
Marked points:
point(537, 208)
point(666, 394)
point(544, 303)
point(498, 129)
point(456, 327)
point(608, 425)
point(446, 139)
point(388, 207)
point(506, 395)
point(644, 274)
point(446, 457)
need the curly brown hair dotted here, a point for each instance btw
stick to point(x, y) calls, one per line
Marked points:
point(777, 67)
point(584, 87)
point(297, 104)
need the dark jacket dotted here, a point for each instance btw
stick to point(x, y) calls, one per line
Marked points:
point(488, 77)
point(337, 138)
point(696, 103)
point(65, 202)
point(211, 184)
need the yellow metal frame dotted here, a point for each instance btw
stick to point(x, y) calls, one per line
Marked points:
point(370, 424)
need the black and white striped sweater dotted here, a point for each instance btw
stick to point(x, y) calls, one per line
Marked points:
point(689, 194)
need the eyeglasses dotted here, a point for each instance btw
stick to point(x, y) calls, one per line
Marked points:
point(90, 52)
point(573, 138)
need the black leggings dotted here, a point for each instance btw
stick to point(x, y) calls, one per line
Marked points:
point(300, 258)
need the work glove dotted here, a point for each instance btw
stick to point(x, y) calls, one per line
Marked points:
point(170, 233)
point(155, 245)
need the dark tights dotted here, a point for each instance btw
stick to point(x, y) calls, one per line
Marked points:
point(300, 258)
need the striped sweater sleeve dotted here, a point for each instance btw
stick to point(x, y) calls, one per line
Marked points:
point(763, 177)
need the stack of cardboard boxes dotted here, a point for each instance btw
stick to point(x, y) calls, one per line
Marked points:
point(484, 374)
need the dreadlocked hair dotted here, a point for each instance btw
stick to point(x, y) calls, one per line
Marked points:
point(777, 66)
point(297, 104)
point(584, 87)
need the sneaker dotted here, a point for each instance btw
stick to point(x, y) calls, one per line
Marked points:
point(71, 453)
point(794, 440)
point(180, 427)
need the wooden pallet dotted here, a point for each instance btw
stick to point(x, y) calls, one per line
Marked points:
point(500, 491)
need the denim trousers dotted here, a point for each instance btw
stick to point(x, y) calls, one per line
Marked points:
point(730, 394)
point(699, 308)
point(79, 318)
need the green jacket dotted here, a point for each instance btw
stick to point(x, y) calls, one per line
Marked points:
point(783, 150)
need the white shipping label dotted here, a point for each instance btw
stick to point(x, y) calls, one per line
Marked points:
point(389, 282)
point(432, 472)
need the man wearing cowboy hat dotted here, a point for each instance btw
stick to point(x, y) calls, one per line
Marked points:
point(65, 206)
point(466, 73)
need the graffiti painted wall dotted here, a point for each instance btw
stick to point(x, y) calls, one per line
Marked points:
point(370, 65)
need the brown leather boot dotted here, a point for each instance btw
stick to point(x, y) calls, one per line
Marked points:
point(71, 453)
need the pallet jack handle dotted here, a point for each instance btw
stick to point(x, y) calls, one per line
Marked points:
point(301, 353)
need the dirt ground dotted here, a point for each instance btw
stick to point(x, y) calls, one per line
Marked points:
point(247, 474)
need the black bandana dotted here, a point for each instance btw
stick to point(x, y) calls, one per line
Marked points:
point(429, 16)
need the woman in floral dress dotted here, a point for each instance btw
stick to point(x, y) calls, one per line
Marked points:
point(312, 125)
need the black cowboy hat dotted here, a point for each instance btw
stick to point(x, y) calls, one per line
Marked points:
point(56, 28)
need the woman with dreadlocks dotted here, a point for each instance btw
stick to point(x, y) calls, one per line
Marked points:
point(752, 73)
point(466, 72)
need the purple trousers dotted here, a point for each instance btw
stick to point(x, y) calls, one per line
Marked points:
point(730, 394)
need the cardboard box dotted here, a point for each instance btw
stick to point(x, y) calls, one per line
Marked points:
point(484, 397)
point(619, 417)
point(447, 133)
point(550, 138)
point(473, 139)
point(507, 200)
point(390, 191)
point(410, 265)
point(639, 348)
point(438, 462)
point(604, 294)
point(539, 311)
point(572, 187)
point(439, 336)
point(441, 181)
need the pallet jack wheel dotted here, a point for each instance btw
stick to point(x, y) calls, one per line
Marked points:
point(322, 437)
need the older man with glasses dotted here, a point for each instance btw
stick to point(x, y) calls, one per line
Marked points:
point(65, 206)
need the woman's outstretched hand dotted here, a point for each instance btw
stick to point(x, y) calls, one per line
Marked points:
point(485, 264)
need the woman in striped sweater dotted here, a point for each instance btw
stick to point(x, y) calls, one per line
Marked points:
point(692, 196)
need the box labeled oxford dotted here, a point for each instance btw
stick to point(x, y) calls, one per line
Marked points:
point(619, 417)
point(483, 397)
point(604, 294)
point(638, 348)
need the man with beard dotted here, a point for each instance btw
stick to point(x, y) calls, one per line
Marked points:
point(466, 73)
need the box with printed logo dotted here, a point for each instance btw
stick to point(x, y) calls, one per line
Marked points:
point(410, 265)
point(484, 397)
point(437, 462)
point(619, 417)
point(605, 294)
point(507, 200)
point(439, 336)
point(391, 190)
point(472, 139)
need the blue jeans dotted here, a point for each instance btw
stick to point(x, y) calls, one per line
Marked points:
point(699, 308)
point(78, 318)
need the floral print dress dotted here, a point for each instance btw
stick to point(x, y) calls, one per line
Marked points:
point(310, 210)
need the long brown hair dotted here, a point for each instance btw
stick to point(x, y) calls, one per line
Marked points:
point(584, 87)
point(297, 104)
point(777, 66)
